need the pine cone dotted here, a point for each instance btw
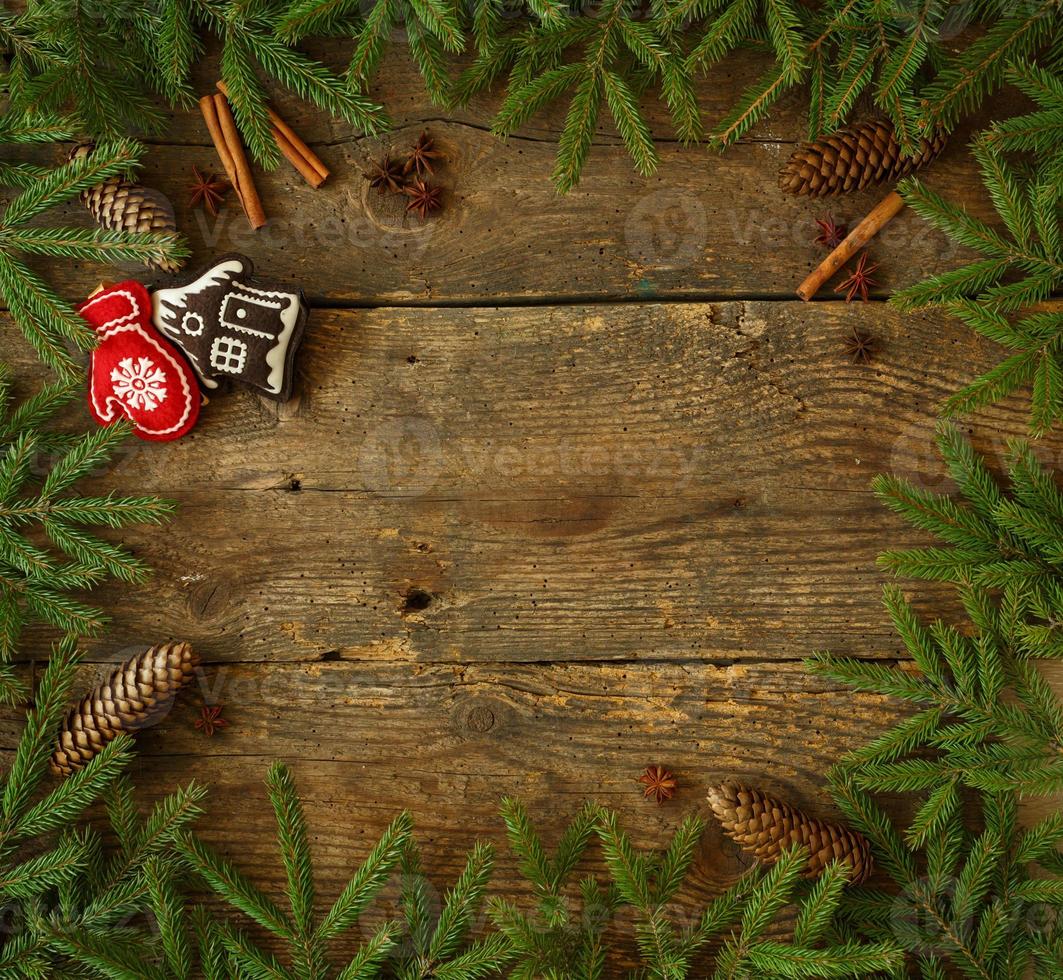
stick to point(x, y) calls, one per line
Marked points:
point(133, 697)
point(852, 159)
point(765, 827)
point(121, 205)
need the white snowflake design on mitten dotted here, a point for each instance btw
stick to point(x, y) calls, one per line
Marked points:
point(139, 385)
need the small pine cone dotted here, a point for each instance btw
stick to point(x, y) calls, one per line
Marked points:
point(133, 697)
point(765, 827)
point(852, 159)
point(120, 205)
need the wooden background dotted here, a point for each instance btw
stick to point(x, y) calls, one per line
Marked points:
point(570, 486)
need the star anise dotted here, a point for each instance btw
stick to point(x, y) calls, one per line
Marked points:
point(830, 235)
point(387, 175)
point(208, 190)
point(659, 782)
point(421, 156)
point(210, 719)
point(423, 198)
point(860, 281)
point(860, 346)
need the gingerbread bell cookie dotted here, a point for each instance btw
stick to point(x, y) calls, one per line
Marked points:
point(134, 373)
point(231, 325)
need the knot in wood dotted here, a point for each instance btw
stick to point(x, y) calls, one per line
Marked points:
point(208, 599)
point(480, 719)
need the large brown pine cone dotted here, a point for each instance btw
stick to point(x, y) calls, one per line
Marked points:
point(121, 205)
point(136, 695)
point(765, 827)
point(852, 159)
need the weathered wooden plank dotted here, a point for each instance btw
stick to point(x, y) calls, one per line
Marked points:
point(704, 226)
point(714, 227)
point(484, 722)
point(413, 403)
point(313, 576)
point(621, 482)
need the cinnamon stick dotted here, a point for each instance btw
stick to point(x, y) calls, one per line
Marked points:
point(295, 151)
point(291, 153)
point(282, 129)
point(226, 139)
point(883, 212)
point(210, 117)
point(244, 184)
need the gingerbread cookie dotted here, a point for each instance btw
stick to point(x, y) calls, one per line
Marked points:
point(134, 373)
point(231, 325)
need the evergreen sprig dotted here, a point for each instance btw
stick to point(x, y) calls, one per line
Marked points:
point(102, 64)
point(839, 51)
point(845, 50)
point(433, 30)
point(1039, 132)
point(974, 895)
point(561, 937)
point(50, 324)
point(1002, 549)
point(48, 550)
point(605, 61)
point(436, 945)
point(71, 903)
point(250, 44)
point(909, 59)
point(1017, 32)
point(969, 902)
point(1022, 263)
point(67, 54)
point(964, 733)
point(566, 936)
point(68, 899)
point(305, 935)
point(1006, 537)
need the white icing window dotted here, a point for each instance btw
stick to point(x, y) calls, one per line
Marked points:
point(192, 324)
point(228, 354)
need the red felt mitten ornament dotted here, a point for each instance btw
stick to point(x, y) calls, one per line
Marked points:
point(135, 373)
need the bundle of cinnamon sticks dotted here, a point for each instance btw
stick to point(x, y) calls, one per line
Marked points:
point(226, 137)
